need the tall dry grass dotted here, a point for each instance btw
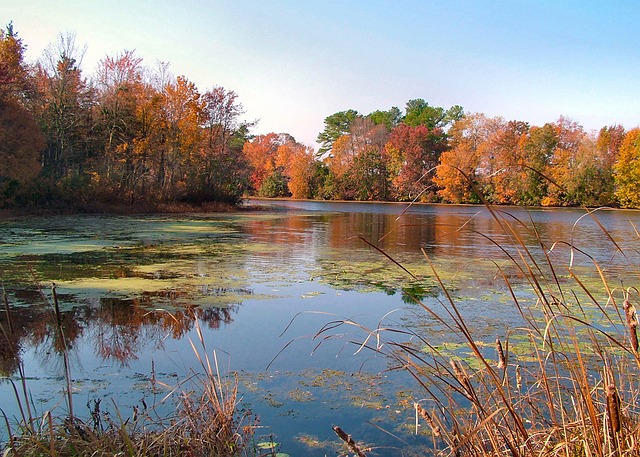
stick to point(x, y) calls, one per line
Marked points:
point(564, 383)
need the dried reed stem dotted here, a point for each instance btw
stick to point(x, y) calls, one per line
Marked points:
point(52, 436)
point(349, 441)
point(6, 310)
point(65, 355)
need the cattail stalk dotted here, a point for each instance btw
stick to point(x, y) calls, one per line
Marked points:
point(349, 441)
point(52, 437)
point(428, 419)
point(613, 409)
point(632, 323)
point(502, 361)
point(463, 379)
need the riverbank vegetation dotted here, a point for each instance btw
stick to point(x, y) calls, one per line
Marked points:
point(139, 136)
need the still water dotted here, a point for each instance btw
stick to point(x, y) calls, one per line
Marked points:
point(264, 284)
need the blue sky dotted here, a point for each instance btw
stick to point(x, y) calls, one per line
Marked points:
point(294, 62)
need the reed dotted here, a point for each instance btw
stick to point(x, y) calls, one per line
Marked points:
point(65, 351)
point(7, 311)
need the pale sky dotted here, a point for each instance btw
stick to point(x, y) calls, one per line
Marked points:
point(294, 62)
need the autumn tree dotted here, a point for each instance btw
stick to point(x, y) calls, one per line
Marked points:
point(297, 165)
point(505, 162)
point(118, 81)
point(183, 109)
point(357, 163)
point(21, 141)
point(413, 153)
point(65, 113)
point(280, 166)
point(537, 149)
point(581, 170)
point(604, 154)
point(260, 153)
point(462, 168)
point(224, 170)
point(302, 172)
point(564, 164)
point(607, 147)
point(149, 141)
point(627, 171)
point(15, 81)
point(591, 182)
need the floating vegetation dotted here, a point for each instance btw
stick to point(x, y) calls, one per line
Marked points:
point(313, 441)
point(300, 395)
point(130, 288)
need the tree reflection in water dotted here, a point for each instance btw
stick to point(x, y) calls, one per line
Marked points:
point(117, 328)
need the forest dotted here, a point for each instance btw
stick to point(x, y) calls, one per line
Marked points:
point(134, 135)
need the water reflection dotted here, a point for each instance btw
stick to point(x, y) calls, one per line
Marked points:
point(205, 266)
point(132, 289)
point(468, 230)
point(118, 328)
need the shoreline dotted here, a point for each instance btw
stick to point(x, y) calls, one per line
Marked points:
point(221, 207)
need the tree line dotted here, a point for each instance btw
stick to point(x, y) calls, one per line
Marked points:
point(131, 134)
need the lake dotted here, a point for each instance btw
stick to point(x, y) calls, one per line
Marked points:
point(284, 293)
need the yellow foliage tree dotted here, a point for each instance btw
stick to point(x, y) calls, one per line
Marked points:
point(627, 171)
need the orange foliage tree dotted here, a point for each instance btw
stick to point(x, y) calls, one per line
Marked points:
point(297, 162)
point(458, 175)
point(507, 158)
point(21, 141)
point(183, 111)
point(261, 156)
